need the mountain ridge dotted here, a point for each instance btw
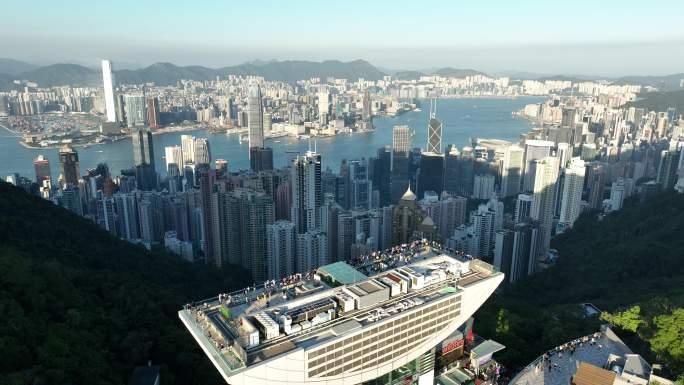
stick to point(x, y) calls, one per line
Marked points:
point(13, 67)
point(164, 73)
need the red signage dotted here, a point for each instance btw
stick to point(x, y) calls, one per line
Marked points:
point(451, 346)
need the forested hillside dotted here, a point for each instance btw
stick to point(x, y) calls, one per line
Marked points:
point(632, 257)
point(81, 307)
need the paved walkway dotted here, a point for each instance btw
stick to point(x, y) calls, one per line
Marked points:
point(558, 367)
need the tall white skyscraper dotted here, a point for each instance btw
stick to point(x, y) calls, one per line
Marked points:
point(543, 205)
point(401, 140)
point(564, 153)
point(483, 223)
point(174, 154)
point(268, 123)
point(534, 150)
point(307, 197)
point(255, 117)
point(108, 83)
point(323, 106)
point(572, 193)
point(188, 146)
point(511, 171)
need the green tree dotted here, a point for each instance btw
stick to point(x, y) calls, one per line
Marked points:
point(668, 340)
point(629, 319)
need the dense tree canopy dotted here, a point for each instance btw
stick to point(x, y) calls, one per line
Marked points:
point(81, 307)
point(633, 257)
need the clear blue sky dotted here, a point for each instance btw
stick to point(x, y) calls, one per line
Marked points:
point(591, 37)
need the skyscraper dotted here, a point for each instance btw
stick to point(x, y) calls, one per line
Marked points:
point(261, 159)
point(401, 144)
point(323, 106)
point(523, 207)
point(136, 110)
point(568, 117)
point(268, 123)
point(667, 168)
point(108, 83)
point(127, 216)
point(617, 194)
point(281, 245)
point(307, 197)
point(434, 138)
point(534, 150)
point(188, 147)
point(543, 205)
point(153, 112)
point(255, 117)
point(71, 198)
point(209, 214)
point(483, 186)
point(202, 152)
point(360, 186)
point(240, 220)
point(573, 184)
point(596, 181)
point(367, 112)
point(381, 175)
point(312, 250)
point(525, 244)
point(406, 217)
point(431, 173)
point(68, 160)
point(511, 171)
point(483, 223)
point(42, 166)
point(503, 251)
point(143, 158)
point(257, 212)
point(173, 154)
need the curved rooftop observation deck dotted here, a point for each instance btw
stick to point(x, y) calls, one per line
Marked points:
point(559, 365)
point(278, 319)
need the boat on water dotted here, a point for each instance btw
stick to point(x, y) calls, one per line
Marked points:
point(418, 110)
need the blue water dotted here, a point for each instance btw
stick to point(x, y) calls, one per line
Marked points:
point(462, 119)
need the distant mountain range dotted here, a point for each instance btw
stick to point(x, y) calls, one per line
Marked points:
point(14, 67)
point(663, 83)
point(167, 73)
point(288, 70)
point(660, 101)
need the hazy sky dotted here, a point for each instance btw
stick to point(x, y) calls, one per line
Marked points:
point(571, 37)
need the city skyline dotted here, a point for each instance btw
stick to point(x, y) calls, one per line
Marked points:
point(323, 222)
point(515, 37)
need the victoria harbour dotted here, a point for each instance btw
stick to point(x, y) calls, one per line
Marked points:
point(464, 119)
